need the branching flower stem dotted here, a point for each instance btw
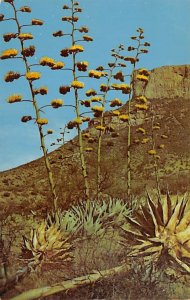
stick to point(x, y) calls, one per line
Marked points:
point(77, 110)
point(132, 82)
point(154, 148)
point(37, 112)
point(101, 133)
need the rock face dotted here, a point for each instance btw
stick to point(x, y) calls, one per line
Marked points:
point(166, 82)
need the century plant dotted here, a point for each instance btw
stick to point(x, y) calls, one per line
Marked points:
point(48, 242)
point(151, 135)
point(161, 230)
point(99, 110)
point(76, 85)
point(126, 88)
point(143, 76)
point(31, 76)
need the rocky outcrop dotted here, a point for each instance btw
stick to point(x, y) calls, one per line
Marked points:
point(166, 82)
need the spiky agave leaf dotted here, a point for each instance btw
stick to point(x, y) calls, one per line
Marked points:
point(65, 220)
point(47, 242)
point(161, 228)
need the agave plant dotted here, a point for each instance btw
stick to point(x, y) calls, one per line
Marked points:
point(118, 210)
point(47, 242)
point(66, 221)
point(92, 216)
point(161, 229)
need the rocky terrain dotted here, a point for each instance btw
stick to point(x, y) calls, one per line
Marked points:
point(25, 188)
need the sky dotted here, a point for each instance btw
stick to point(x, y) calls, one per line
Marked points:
point(166, 26)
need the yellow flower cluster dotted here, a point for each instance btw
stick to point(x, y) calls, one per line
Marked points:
point(28, 51)
point(42, 91)
point(88, 149)
point(96, 99)
point(161, 146)
point(10, 76)
point(144, 72)
point(77, 121)
point(25, 9)
point(82, 65)
point(141, 106)
point(85, 119)
point(86, 103)
point(9, 53)
point(124, 87)
point(141, 130)
point(76, 48)
point(96, 74)
point(33, 75)
point(70, 19)
point(87, 38)
point(14, 98)
point(98, 108)
point(86, 135)
point(64, 52)
point(42, 121)
point(152, 152)
point(91, 92)
point(37, 22)
point(58, 65)
point(64, 89)
point(26, 119)
point(56, 103)
point(132, 60)
point(25, 36)
point(145, 140)
point(104, 88)
point(156, 127)
point(101, 128)
point(58, 33)
point(77, 84)
point(142, 78)
point(142, 99)
point(115, 102)
point(83, 29)
point(50, 62)
point(47, 61)
point(8, 36)
point(124, 118)
point(116, 112)
point(119, 76)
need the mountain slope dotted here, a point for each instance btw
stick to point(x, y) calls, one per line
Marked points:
point(168, 91)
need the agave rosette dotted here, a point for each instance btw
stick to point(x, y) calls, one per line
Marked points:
point(47, 242)
point(161, 229)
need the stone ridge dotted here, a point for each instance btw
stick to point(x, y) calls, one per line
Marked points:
point(166, 82)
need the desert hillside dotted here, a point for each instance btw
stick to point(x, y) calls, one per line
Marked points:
point(168, 92)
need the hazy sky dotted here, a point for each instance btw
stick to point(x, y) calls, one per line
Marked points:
point(166, 24)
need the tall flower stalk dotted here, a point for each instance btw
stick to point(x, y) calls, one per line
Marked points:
point(134, 60)
point(74, 50)
point(30, 76)
point(105, 89)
